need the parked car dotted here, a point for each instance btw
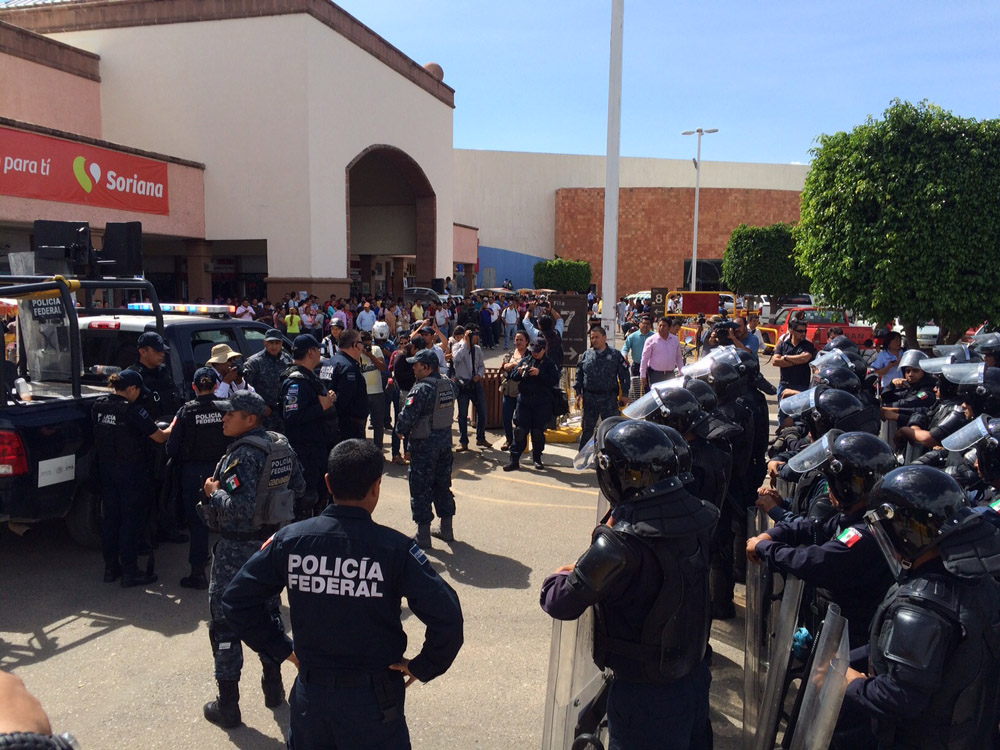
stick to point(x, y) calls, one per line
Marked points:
point(425, 294)
point(771, 307)
point(927, 335)
point(819, 321)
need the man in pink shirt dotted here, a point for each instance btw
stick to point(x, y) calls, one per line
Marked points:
point(661, 355)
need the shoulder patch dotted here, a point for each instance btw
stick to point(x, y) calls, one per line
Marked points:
point(233, 483)
point(418, 554)
point(409, 401)
point(293, 388)
point(849, 536)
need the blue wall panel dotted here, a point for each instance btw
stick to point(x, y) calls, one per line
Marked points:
point(518, 267)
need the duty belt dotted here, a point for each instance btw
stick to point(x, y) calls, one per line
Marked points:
point(257, 535)
point(343, 678)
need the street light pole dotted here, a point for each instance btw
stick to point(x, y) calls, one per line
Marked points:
point(697, 190)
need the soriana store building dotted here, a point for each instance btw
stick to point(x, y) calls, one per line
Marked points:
point(265, 145)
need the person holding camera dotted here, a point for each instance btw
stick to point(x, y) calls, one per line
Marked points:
point(470, 367)
point(538, 375)
point(662, 357)
point(229, 366)
point(372, 365)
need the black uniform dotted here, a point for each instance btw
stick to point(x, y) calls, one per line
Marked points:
point(311, 430)
point(197, 443)
point(346, 380)
point(534, 405)
point(164, 399)
point(345, 576)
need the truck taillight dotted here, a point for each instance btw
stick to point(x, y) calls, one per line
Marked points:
point(13, 458)
point(105, 325)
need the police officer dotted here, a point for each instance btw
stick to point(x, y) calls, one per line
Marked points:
point(537, 375)
point(345, 576)
point(197, 443)
point(602, 380)
point(839, 555)
point(934, 658)
point(426, 419)
point(265, 373)
point(310, 420)
point(915, 390)
point(121, 429)
point(348, 383)
point(235, 495)
point(645, 574)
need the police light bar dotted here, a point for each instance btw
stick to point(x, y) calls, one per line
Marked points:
point(184, 309)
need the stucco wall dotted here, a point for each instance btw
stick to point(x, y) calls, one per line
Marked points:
point(43, 95)
point(511, 196)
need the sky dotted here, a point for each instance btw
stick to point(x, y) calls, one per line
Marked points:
point(532, 75)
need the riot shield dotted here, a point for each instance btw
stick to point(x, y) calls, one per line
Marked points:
point(771, 706)
point(757, 642)
point(575, 699)
point(823, 692)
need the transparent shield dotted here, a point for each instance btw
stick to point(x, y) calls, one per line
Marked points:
point(574, 681)
point(957, 352)
point(825, 686)
point(964, 373)
point(798, 403)
point(934, 365)
point(776, 683)
point(968, 436)
point(812, 456)
point(756, 631)
point(584, 459)
point(45, 327)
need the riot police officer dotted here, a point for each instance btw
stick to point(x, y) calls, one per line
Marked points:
point(974, 451)
point(197, 443)
point(264, 372)
point(645, 575)
point(838, 555)
point(426, 419)
point(121, 429)
point(349, 643)
point(310, 420)
point(247, 497)
point(915, 390)
point(934, 660)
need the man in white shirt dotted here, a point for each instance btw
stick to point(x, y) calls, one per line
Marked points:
point(509, 317)
point(470, 367)
point(366, 318)
point(245, 311)
point(441, 316)
point(229, 365)
point(495, 324)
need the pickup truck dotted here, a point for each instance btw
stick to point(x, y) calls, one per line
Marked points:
point(46, 437)
point(819, 321)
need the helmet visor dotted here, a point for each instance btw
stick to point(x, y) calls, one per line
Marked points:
point(961, 351)
point(833, 358)
point(968, 436)
point(800, 402)
point(584, 460)
point(964, 373)
point(873, 519)
point(650, 402)
point(934, 365)
point(813, 456)
point(704, 365)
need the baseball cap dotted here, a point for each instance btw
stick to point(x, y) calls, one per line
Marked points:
point(153, 340)
point(538, 346)
point(128, 378)
point(273, 334)
point(425, 357)
point(426, 329)
point(206, 375)
point(302, 344)
point(247, 401)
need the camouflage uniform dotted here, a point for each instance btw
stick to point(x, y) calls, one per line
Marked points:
point(234, 501)
point(265, 374)
point(430, 458)
point(598, 377)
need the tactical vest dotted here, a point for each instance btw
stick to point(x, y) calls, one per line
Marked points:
point(203, 436)
point(712, 467)
point(114, 442)
point(442, 415)
point(331, 427)
point(275, 501)
point(962, 711)
point(675, 632)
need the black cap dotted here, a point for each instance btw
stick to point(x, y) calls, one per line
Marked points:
point(153, 340)
point(426, 357)
point(206, 376)
point(128, 378)
point(302, 344)
point(273, 334)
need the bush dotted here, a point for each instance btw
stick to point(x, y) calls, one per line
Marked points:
point(563, 275)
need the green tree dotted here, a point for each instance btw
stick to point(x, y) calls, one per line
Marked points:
point(563, 275)
point(761, 260)
point(900, 218)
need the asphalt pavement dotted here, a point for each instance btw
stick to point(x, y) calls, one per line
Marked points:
point(132, 668)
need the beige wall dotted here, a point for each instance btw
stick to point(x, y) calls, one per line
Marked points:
point(275, 107)
point(42, 95)
point(510, 196)
point(383, 230)
point(466, 244)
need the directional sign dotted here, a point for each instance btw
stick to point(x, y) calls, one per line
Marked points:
point(572, 309)
point(658, 301)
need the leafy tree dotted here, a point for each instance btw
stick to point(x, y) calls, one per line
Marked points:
point(760, 260)
point(900, 218)
point(563, 275)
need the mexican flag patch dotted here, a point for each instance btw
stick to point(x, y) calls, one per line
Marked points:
point(233, 483)
point(996, 505)
point(849, 536)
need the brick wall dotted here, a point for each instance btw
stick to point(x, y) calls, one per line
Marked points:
point(656, 225)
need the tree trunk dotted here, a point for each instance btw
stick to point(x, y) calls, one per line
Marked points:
point(910, 333)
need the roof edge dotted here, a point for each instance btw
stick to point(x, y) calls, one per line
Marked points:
point(28, 45)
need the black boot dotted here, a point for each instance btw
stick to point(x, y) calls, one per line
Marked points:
point(447, 532)
point(274, 690)
point(225, 709)
point(423, 537)
point(196, 580)
point(132, 576)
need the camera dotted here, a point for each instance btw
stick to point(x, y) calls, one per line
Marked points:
point(238, 366)
point(722, 331)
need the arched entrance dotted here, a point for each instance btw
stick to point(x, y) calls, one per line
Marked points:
point(391, 220)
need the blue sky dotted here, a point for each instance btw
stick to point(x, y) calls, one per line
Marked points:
point(533, 75)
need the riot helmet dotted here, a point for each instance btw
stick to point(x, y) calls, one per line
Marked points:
point(750, 364)
point(703, 367)
point(677, 408)
point(852, 463)
point(842, 343)
point(841, 378)
point(911, 358)
point(702, 391)
point(651, 400)
point(851, 359)
point(727, 380)
point(911, 510)
point(638, 459)
point(823, 408)
point(983, 434)
point(947, 355)
point(977, 385)
point(987, 345)
point(380, 331)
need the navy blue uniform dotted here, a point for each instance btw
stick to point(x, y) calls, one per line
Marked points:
point(346, 576)
point(346, 380)
point(310, 429)
point(534, 405)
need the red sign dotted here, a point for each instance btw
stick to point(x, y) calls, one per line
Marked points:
point(51, 169)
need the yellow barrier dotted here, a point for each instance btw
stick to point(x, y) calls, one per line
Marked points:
point(771, 340)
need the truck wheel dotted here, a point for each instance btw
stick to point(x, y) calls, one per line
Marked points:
point(84, 519)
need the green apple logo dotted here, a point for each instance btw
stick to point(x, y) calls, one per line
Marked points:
point(80, 171)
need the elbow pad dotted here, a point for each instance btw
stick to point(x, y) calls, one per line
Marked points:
point(607, 558)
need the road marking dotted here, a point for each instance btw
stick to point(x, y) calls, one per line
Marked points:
point(591, 508)
point(591, 492)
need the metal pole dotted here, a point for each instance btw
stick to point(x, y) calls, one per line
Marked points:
point(609, 278)
point(697, 191)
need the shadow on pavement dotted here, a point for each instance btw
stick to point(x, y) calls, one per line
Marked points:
point(479, 568)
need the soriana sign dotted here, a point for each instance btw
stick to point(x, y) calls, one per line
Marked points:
point(51, 169)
